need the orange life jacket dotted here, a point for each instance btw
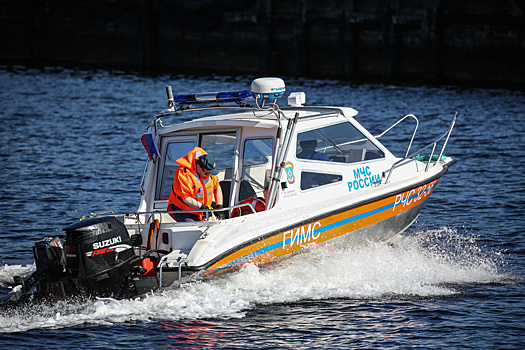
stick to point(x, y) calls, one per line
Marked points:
point(187, 183)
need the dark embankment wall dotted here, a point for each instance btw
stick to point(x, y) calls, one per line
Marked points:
point(475, 42)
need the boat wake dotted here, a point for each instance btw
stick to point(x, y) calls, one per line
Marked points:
point(431, 263)
point(8, 271)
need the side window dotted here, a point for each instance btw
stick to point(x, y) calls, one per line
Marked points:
point(314, 179)
point(341, 143)
point(174, 151)
point(256, 167)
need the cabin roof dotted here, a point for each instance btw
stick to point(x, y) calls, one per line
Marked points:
point(255, 117)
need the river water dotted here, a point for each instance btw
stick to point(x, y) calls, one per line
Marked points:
point(71, 146)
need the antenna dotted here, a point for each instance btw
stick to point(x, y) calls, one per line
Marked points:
point(171, 102)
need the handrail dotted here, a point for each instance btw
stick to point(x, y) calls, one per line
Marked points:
point(432, 144)
point(322, 111)
point(201, 210)
point(280, 164)
point(398, 122)
point(387, 130)
point(179, 211)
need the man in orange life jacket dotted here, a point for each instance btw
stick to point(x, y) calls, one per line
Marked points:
point(194, 186)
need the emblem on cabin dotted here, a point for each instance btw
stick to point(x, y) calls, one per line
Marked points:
point(289, 172)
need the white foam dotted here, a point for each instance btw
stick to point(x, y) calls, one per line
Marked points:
point(8, 271)
point(423, 265)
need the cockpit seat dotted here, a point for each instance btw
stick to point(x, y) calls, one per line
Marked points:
point(246, 191)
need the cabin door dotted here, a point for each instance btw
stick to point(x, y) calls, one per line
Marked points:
point(257, 160)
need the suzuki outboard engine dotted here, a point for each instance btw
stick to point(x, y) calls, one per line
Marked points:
point(99, 255)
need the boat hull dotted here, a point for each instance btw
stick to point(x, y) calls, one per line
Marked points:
point(375, 220)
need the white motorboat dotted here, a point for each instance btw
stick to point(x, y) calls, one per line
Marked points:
point(292, 177)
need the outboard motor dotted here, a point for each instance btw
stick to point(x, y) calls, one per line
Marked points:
point(49, 252)
point(50, 277)
point(99, 255)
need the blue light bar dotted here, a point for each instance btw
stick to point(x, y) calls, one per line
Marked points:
point(207, 97)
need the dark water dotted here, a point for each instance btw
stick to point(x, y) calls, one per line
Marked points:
point(70, 146)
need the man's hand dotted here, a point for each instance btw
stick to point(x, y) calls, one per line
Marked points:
point(221, 215)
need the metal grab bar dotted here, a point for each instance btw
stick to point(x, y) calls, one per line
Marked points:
point(280, 164)
point(177, 211)
point(199, 210)
point(384, 132)
point(190, 211)
point(207, 211)
point(432, 144)
point(398, 122)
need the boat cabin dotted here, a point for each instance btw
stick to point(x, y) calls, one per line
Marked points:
point(325, 145)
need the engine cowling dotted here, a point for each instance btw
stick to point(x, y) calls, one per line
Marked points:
point(99, 254)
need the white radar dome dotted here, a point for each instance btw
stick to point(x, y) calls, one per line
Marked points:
point(268, 88)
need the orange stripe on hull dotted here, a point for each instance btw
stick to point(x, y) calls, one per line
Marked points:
point(286, 243)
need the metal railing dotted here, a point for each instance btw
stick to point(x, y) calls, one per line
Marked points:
point(398, 122)
point(157, 212)
point(433, 144)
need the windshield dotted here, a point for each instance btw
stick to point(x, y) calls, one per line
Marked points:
point(340, 142)
point(221, 147)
